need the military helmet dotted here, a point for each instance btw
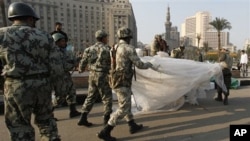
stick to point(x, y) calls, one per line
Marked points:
point(100, 34)
point(58, 36)
point(124, 32)
point(20, 9)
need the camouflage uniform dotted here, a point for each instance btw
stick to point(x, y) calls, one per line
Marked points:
point(177, 53)
point(125, 58)
point(30, 57)
point(155, 47)
point(97, 57)
point(121, 82)
point(64, 86)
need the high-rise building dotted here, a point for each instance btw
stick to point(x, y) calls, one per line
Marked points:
point(82, 18)
point(198, 25)
point(171, 34)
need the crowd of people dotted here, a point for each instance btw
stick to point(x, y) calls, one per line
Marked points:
point(36, 63)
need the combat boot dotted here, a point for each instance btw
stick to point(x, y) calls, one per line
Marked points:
point(133, 127)
point(106, 119)
point(83, 120)
point(225, 101)
point(219, 97)
point(105, 133)
point(72, 111)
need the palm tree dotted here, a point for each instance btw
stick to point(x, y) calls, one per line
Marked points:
point(220, 24)
point(2, 6)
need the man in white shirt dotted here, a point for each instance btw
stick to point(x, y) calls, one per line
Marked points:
point(243, 62)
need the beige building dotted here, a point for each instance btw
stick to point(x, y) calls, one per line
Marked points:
point(199, 25)
point(81, 18)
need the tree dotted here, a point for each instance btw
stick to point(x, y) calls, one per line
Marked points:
point(220, 24)
point(2, 6)
point(198, 36)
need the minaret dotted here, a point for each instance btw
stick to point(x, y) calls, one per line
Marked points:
point(168, 24)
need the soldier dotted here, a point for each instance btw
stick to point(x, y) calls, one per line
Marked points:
point(121, 74)
point(178, 52)
point(162, 44)
point(226, 62)
point(30, 60)
point(64, 86)
point(155, 46)
point(97, 57)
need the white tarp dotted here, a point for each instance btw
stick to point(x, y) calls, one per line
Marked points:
point(175, 81)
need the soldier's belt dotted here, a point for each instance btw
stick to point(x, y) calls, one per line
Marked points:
point(26, 77)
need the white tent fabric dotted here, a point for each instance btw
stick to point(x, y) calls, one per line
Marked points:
point(175, 81)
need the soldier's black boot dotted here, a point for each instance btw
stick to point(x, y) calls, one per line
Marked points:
point(133, 127)
point(106, 119)
point(225, 101)
point(219, 97)
point(105, 133)
point(73, 112)
point(83, 120)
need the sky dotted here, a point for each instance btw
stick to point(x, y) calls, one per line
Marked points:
point(151, 16)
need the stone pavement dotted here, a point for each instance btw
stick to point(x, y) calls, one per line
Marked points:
point(207, 122)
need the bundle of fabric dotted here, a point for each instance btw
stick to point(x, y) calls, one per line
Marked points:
point(172, 83)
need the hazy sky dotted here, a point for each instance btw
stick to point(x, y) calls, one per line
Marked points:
point(151, 16)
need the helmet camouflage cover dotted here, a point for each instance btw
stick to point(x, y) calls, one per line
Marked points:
point(124, 32)
point(100, 34)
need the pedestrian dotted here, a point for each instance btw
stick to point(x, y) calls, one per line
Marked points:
point(97, 57)
point(64, 87)
point(178, 52)
point(199, 56)
point(30, 62)
point(58, 29)
point(226, 62)
point(124, 56)
point(243, 63)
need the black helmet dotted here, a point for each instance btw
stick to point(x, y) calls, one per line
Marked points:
point(19, 9)
point(58, 36)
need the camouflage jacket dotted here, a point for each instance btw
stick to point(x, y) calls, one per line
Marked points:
point(125, 57)
point(177, 53)
point(97, 57)
point(70, 61)
point(28, 51)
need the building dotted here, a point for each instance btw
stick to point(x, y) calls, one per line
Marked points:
point(198, 25)
point(81, 18)
point(247, 44)
point(172, 36)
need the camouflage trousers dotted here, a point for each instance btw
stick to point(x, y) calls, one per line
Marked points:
point(22, 99)
point(98, 84)
point(64, 90)
point(124, 103)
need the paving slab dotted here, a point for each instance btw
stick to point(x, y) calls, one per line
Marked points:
point(208, 121)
